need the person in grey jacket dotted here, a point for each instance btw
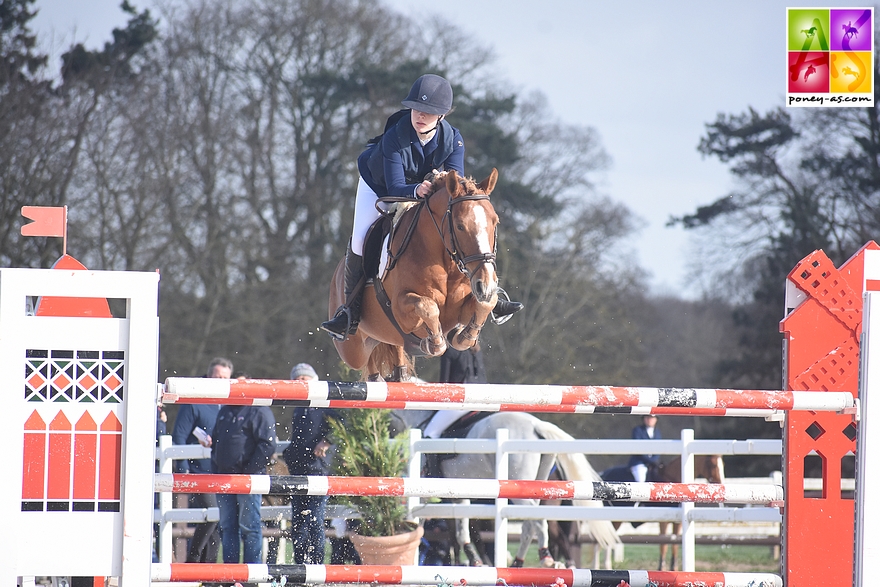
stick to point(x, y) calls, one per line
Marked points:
point(308, 454)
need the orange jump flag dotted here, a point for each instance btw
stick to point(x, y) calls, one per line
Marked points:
point(47, 221)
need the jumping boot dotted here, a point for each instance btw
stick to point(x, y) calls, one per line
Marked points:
point(504, 308)
point(347, 317)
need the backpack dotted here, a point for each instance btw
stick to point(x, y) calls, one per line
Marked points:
point(389, 124)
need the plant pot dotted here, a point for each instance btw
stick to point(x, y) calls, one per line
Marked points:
point(399, 549)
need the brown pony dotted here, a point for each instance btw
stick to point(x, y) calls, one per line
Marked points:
point(709, 467)
point(441, 283)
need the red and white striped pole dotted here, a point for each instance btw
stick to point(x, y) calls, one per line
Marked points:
point(469, 488)
point(452, 576)
point(492, 397)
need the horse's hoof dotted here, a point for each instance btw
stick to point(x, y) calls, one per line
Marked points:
point(517, 563)
point(401, 373)
point(472, 555)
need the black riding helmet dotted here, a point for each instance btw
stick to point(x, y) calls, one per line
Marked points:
point(431, 94)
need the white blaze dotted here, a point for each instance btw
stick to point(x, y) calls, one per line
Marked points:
point(482, 224)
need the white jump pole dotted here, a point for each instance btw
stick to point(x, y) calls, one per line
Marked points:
point(867, 544)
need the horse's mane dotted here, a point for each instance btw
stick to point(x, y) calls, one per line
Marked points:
point(468, 183)
point(438, 182)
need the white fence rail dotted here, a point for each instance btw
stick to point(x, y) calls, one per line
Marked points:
point(686, 514)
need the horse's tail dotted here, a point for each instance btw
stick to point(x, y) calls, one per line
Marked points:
point(576, 467)
point(384, 359)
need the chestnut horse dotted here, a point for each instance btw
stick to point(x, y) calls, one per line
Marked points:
point(440, 280)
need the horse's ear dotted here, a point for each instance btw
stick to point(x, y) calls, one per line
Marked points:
point(488, 184)
point(453, 185)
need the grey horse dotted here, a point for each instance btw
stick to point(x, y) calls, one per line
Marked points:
point(522, 466)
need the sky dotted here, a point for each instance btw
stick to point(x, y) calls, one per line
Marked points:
point(647, 75)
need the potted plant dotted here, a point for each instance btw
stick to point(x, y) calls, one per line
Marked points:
point(365, 448)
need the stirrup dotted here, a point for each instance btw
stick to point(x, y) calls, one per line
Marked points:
point(499, 320)
point(332, 326)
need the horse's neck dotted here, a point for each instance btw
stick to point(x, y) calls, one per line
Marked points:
point(430, 242)
point(710, 467)
point(704, 466)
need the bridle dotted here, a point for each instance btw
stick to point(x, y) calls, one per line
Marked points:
point(455, 253)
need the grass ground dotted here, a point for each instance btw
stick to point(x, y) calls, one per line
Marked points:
point(733, 559)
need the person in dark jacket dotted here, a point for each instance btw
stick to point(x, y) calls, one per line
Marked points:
point(193, 425)
point(396, 164)
point(456, 367)
point(244, 442)
point(463, 366)
point(639, 464)
point(308, 454)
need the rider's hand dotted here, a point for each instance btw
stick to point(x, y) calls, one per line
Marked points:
point(321, 449)
point(423, 189)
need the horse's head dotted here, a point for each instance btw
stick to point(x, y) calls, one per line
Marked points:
point(472, 231)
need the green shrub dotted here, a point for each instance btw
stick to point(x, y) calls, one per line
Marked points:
point(365, 449)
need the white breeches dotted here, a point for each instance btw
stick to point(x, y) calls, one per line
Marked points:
point(441, 420)
point(640, 472)
point(365, 214)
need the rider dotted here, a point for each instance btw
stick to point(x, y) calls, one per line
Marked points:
point(394, 165)
point(639, 464)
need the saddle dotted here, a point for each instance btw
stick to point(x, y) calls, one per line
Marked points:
point(373, 246)
point(458, 429)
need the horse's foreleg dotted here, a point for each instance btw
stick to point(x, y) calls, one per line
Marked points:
point(675, 563)
point(665, 528)
point(533, 529)
point(419, 312)
point(463, 538)
point(473, 315)
point(467, 336)
point(542, 534)
point(526, 534)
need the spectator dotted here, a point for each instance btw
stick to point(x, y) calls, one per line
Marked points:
point(639, 464)
point(307, 454)
point(463, 366)
point(193, 425)
point(244, 443)
point(161, 430)
point(161, 421)
point(456, 367)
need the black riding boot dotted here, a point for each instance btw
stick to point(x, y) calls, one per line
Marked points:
point(347, 317)
point(504, 308)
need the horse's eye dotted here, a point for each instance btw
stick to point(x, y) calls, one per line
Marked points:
point(459, 226)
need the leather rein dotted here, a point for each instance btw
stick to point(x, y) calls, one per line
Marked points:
point(455, 252)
